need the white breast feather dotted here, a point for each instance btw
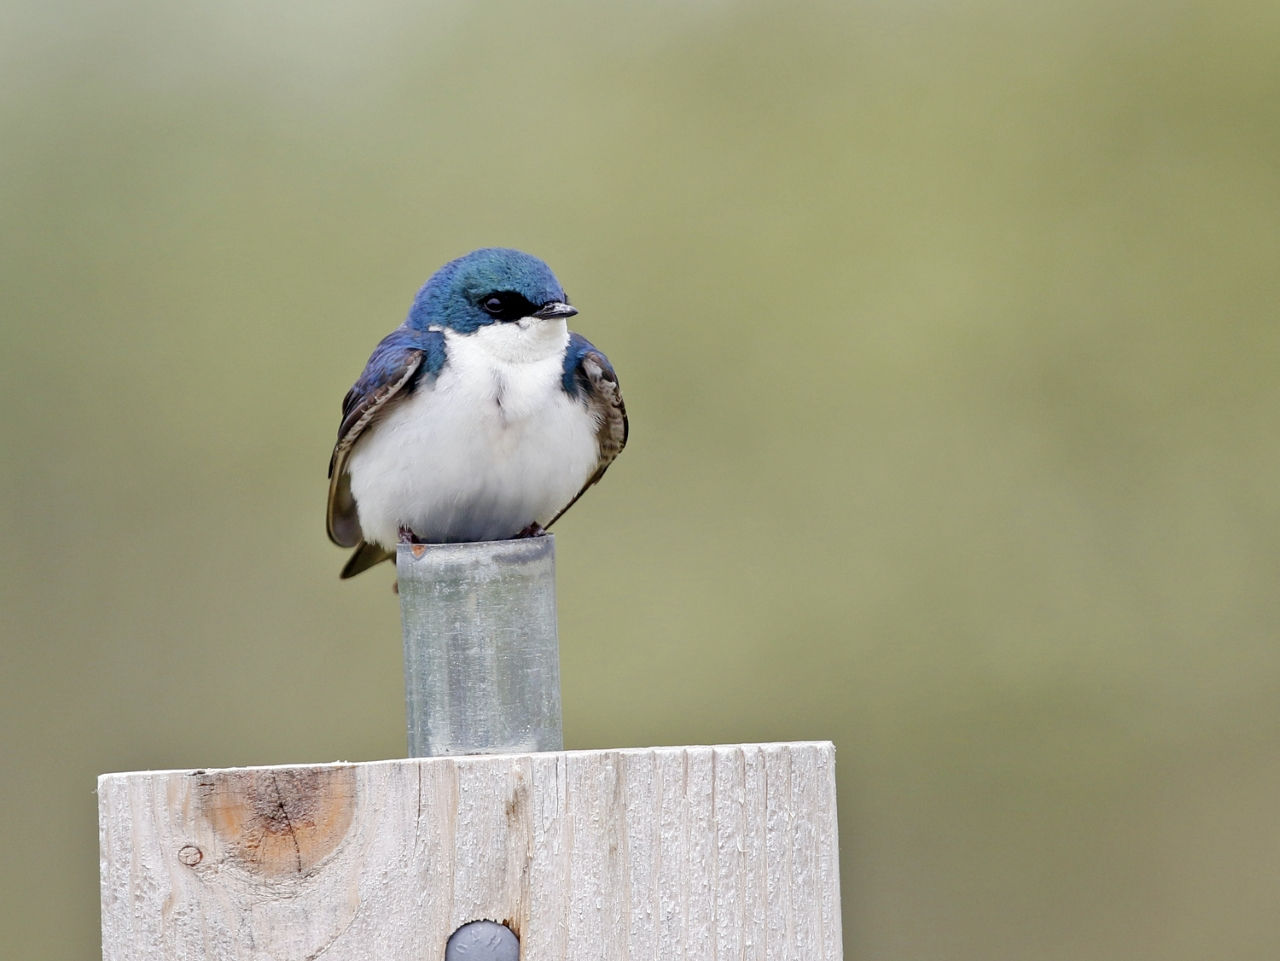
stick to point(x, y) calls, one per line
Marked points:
point(493, 446)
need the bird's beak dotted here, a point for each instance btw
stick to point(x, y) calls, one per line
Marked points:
point(555, 309)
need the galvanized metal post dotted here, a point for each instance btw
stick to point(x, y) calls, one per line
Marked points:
point(481, 652)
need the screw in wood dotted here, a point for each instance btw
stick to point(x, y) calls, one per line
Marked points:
point(190, 855)
point(482, 941)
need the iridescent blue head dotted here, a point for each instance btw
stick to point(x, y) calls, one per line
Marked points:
point(493, 285)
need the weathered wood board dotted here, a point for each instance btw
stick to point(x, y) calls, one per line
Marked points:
point(663, 853)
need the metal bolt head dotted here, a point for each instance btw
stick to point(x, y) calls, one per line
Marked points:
point(482, 941)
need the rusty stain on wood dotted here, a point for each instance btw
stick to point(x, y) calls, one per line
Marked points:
point(279, 822)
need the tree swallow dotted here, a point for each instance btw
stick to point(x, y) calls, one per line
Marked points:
point(481, 417)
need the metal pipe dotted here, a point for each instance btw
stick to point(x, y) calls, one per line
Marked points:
point(481, 652)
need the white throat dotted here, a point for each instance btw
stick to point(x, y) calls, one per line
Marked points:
point(523, 341)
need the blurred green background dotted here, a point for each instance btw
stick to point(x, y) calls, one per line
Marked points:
point(949, 337)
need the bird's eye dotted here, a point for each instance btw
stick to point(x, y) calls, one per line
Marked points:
point(506, 305)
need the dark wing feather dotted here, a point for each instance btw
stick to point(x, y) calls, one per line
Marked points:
point(384, 378)
point(396, 368)
point(590, 376)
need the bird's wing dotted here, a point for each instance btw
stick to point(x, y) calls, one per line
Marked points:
point(393, 372)
point(590, 377)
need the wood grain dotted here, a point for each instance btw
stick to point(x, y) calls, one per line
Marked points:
point(708, 853)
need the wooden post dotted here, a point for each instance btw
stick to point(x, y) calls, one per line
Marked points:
point(517, 849)
point(656, 854)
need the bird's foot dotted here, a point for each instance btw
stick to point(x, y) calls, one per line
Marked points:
point(533, 530)
point(407, 536)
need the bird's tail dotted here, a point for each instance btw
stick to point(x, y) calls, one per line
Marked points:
point(364, 557)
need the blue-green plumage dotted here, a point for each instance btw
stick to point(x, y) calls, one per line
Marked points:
point(450, 297)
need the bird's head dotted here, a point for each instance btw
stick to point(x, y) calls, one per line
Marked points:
point(494, 285)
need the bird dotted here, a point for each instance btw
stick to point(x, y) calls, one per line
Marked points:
point(481, 417)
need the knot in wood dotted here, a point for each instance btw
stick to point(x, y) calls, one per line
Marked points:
point(278, 822)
